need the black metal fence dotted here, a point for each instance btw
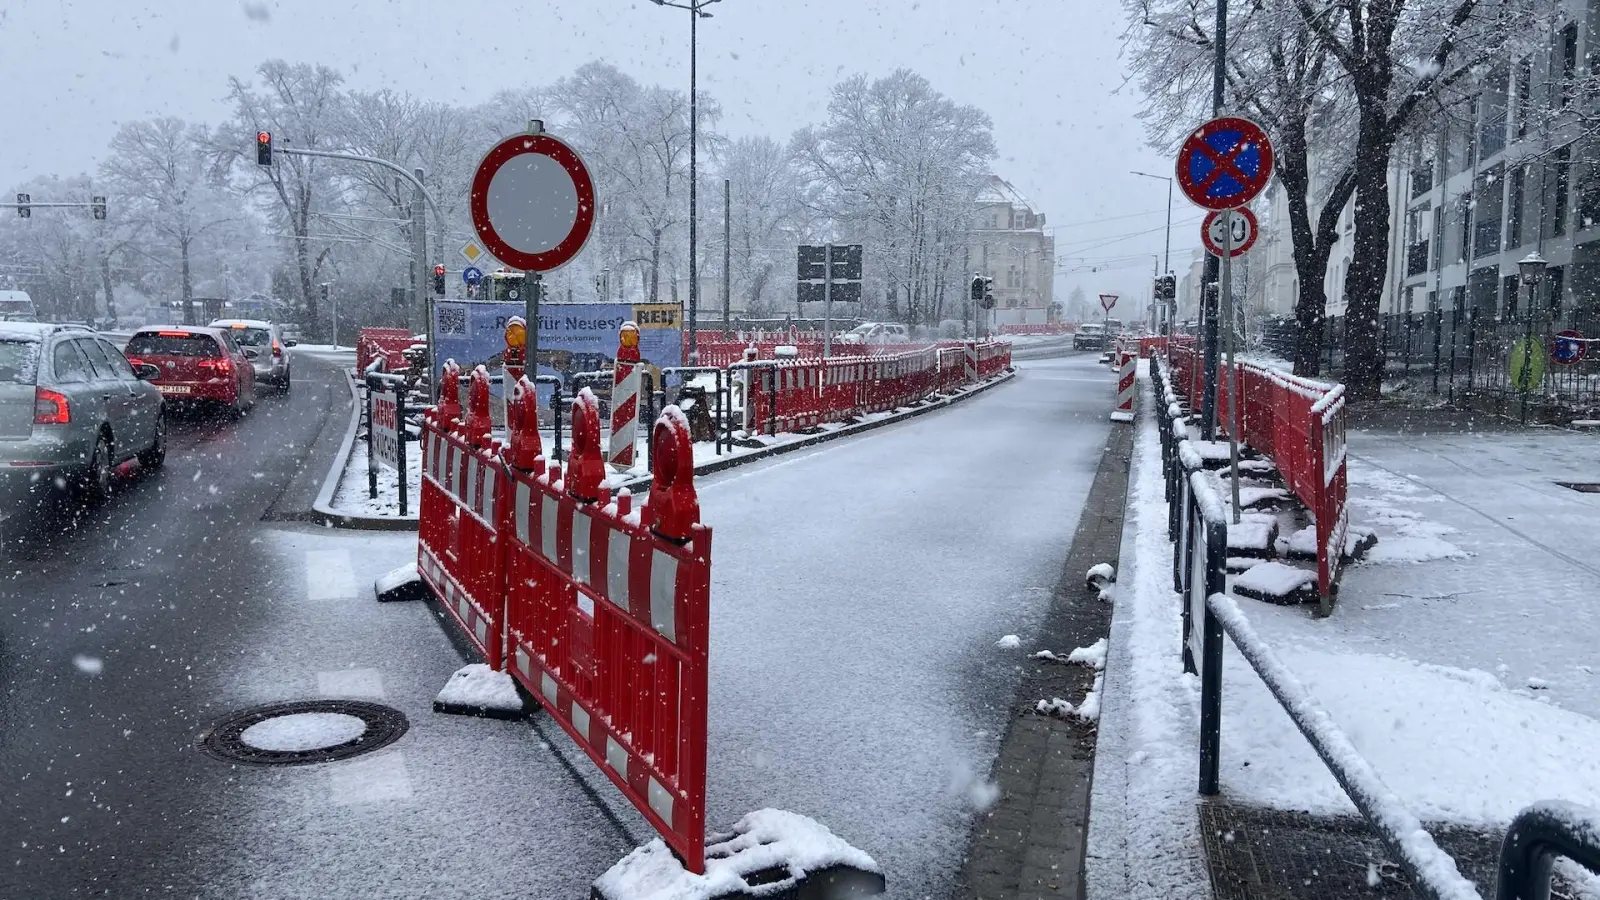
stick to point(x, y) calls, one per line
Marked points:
point(1462, 356)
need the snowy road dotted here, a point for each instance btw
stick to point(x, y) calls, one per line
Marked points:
point(859, 590)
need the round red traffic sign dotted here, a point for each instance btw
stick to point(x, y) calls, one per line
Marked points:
point(1568, 347)
point(1214, 236)
point(532, 202)
point(1225, 163)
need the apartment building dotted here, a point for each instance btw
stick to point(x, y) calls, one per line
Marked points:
point(1009, 244)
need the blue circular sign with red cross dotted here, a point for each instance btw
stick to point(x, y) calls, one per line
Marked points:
point(1225, 163)
point(1567, 347)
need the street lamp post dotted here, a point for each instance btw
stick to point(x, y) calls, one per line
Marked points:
point(1166, 258)
point(1531, 268)
point(696, 13)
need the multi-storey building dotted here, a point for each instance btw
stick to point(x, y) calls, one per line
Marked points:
point(1009, 244)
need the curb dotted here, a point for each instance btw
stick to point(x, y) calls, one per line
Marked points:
point(323, 513)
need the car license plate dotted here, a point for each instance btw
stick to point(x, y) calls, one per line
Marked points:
point(173, 388)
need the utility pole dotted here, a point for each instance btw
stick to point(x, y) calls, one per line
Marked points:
point(727, 254)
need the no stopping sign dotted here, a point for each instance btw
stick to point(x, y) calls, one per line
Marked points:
point(532, 202)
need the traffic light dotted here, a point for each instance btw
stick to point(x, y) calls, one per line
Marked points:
point(263, 148)
point(23, 211)
point(977, 288)
point(97, 206)
point(324, 286)
point(988, 292)
point(438, 280)
point(1166, 287)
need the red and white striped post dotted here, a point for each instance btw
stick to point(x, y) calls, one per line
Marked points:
point(1126, 363)
point(971, 364)
point(625, 399)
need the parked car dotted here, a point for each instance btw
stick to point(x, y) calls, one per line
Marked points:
point(272, 363)
point(72, 409)
point(1091, 336)
point(198, 365)
point(877, 333)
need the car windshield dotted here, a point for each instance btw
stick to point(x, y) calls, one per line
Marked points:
point(862, 330)
point(248, 336)
point(19, 360)
point(173, 343)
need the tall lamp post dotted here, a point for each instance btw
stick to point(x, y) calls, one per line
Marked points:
point(1531, 268)
point(697, 12)
point(1166, 258)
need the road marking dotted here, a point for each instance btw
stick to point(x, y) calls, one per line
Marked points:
point(329, 575)
point(370, 779)
point(351, 683)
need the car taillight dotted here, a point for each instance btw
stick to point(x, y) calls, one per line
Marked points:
point(277, 349)
point(50, 408)
point(217, 367)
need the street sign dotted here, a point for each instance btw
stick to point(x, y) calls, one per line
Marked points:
point(386, 428)
point(472, 252)
point(1107, 301)
point(813, 273)
point(1215, 237)
point(1225, 163)
point(532, 202)
point(1527, 364)
point(472, 275)
point(1567, 347)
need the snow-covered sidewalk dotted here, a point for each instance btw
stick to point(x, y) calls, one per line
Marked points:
point(1460, 660)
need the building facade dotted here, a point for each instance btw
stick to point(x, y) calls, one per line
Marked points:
point(1009, 244)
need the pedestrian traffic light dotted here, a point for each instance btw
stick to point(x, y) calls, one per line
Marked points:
point(263, 148)
point(324, 286)
point(438, 280)
point(23, 210)
point(97, 206)
point(988, 293)
point(977, 287)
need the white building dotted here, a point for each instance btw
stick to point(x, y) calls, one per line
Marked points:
point(1009, 244)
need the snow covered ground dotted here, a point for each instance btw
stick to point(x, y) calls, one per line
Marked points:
point(352, 497)
point(1460, 661)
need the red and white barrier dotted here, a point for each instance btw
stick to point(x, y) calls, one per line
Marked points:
point(625, 399)
point(1125, 364)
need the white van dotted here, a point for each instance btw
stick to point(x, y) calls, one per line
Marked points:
point(17, 306)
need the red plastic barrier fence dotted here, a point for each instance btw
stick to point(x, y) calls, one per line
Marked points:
point(389, 343)
point(458, 539)
point(608, 612)
point(1054, 328)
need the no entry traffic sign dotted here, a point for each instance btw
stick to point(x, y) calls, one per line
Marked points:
point(1215, 236)
point(532, 202)
point(1225, 163)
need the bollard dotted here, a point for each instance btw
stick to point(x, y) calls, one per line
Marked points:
point(477, 422)
point(1126, 364)
point(585, 467)
point(671, 509)
point(625, 399)
point(522, 426)
point(450, 395)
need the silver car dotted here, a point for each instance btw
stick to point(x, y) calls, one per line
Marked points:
point(72, 409)
point(267, 340)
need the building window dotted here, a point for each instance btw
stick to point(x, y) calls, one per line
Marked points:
point(1492, 113)
point(1422, 163)
point(1567, 52)
point(1554, 286)
point(1419, 233)
point(1518, 189)
point(1561, 183)
point(1488, 211)
point(1512, 291)
point(1524, 90)
point(1588, 188)
point(1464, 250)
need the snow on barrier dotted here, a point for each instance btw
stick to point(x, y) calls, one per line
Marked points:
point(599, 610)
point(1297, 422)
point(388, 343)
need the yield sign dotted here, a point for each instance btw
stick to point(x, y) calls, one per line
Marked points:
point(1225, 163)
point(532, 202)
point(1107, 301)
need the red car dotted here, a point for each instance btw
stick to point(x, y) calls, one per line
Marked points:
point(198, 365)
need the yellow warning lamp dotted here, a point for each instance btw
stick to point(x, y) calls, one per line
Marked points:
point(630, 335)
point(516, 333)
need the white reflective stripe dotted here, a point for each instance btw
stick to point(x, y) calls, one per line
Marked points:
point(619, 547)
point(470, 494)
point(523, 492)
point(616, 756)
point(482, 629)
point(660, 800)
point(663, 595)
point(547, 686)
point(580, 549)
point(449, 468)
point(486, 498)
point(580, 721)
point(586, 604)
point(463, 608)
point(548, 508)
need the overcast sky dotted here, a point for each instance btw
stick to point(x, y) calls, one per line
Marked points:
point(1047, 71)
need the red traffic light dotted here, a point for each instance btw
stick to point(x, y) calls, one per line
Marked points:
point(263, 137)
point(438, 270)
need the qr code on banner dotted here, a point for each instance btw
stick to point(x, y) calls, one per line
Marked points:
point(452, 320)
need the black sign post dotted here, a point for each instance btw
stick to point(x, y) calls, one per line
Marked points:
point(827, 274)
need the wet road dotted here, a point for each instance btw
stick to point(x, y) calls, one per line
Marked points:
point(112, 625)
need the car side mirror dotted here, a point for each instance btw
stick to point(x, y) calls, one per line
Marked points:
point(290, 342)
point(146, 372)
point(252, 354)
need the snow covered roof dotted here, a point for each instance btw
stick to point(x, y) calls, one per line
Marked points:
point(999, 190)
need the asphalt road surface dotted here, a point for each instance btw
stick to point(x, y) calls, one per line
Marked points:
point(109, 622)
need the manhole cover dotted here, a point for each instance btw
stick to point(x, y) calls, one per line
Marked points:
point(305, 731)
point(1587, 487)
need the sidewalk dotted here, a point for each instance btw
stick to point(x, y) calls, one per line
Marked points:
point(1460, 661)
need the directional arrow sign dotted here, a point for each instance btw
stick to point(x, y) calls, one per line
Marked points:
point(1225, 163)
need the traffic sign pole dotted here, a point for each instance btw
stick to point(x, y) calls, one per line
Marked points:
point(1233, 399)
point(827, 300)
